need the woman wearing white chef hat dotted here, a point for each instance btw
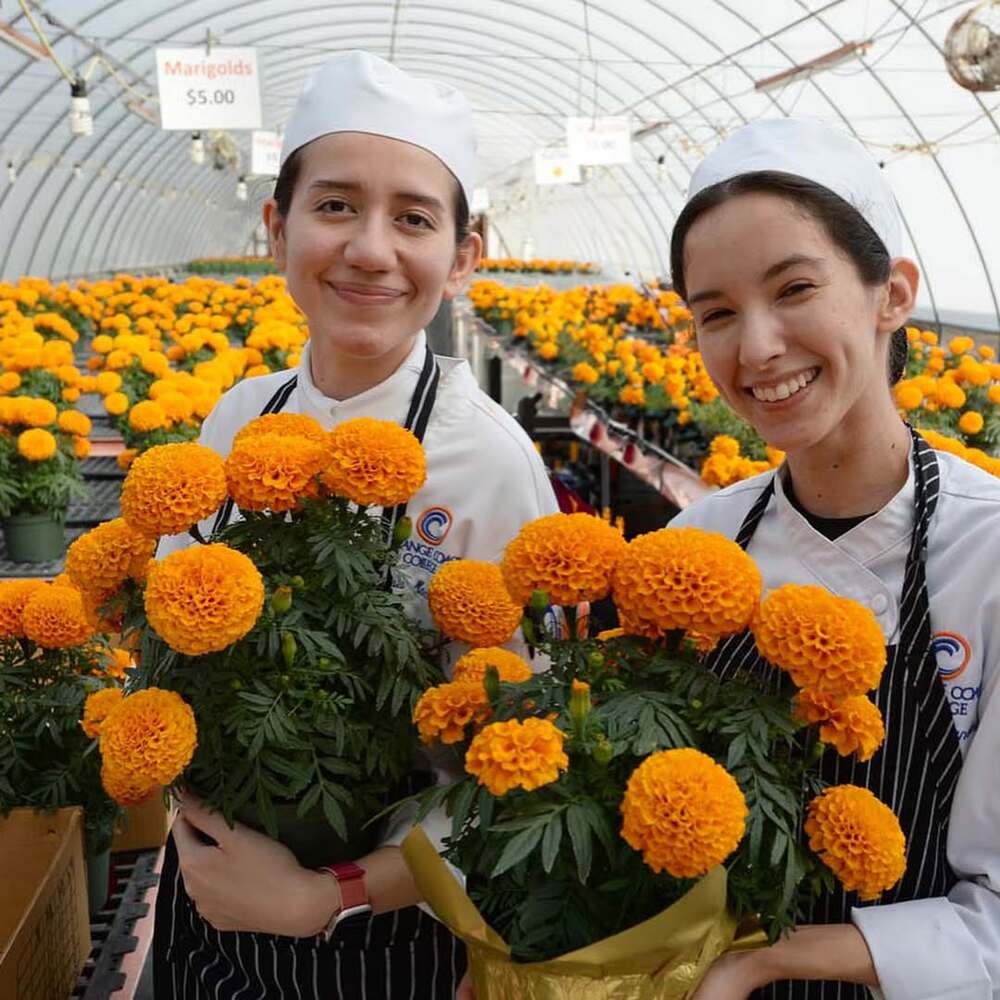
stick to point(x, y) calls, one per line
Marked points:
point(789, 253)
point(369, 222)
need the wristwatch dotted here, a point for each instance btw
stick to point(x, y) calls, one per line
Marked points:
point(353, 894)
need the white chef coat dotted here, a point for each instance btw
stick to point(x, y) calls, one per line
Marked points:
point(484, 478)
point(929, 948)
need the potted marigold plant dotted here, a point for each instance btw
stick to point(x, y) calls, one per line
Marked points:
point(623, 812)
point(57, 681)
point(40, 452)
point(280, 630)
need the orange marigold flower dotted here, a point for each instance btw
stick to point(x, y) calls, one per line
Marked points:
point(723, 444)
point(514, 754)
point(286, 424)
point(171, 487)
point(38, 412)
point(36, 445)
point(683, 811)
point(469, 603)
point(850, 725)
point(147, 415)
point(96, 709)
point(125, 458)
point(511, 668)
point(203, 599)
point(81, 447)
point(74, 422)
point(569, 556)
point(118, 663)
point(858, 838)
point(685, 578)
point(970, 422)
point(55, 618)
point(14, 595)
point(116, 403)
point(274, 471)
point(830, 644)
point(125, 787)
point(104, 557)
point(443, 712)
point(374, 462)
point(149, 737)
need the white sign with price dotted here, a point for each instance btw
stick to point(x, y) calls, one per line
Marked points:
point(265, 154)
point(556, 166)
point(199, 91)
point(599, 142)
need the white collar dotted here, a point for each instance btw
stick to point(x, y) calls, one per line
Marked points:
point(389, 400)
point(865, 541)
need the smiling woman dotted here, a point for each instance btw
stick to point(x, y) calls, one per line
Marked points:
point(370, 224)
point(789, 252)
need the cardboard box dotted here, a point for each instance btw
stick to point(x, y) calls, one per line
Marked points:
point(143, 827)
point(44, 926)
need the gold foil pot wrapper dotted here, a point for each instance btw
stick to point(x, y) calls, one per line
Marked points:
point(663, 958)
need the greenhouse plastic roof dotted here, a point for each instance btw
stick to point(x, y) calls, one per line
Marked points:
point(684, 72)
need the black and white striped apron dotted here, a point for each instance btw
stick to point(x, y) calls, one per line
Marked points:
point(915, 771)
point(401, 955)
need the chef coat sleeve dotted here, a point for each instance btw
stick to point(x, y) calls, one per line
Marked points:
point(949, 947)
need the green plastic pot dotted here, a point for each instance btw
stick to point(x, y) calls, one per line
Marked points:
point(34, 538)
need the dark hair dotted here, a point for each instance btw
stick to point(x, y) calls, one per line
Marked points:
point(284, 188)
point(844, 224)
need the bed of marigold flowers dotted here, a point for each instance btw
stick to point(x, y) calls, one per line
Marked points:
point(623, 764)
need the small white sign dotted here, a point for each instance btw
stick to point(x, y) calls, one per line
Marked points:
point(265, 154)
point(199, 91)
point(556, 166)
point(599, 142)
point(480, 201)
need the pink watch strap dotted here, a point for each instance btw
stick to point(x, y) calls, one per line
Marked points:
point(351, 878)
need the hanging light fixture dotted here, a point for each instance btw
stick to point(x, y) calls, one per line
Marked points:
point(11, 171)
point(241, 189)
point(80, 120)
point(197, 149)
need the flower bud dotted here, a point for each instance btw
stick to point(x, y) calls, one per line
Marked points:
point(540, 601)
point(603, 752)
point(297, 582)
point(281, 600)
point(402, 531)
point(289, 647)
point(579, 704)
point(596, 660)
point(491, 681)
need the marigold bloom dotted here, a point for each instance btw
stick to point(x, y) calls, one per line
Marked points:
point(171, 487)
point(723, 444)
point(685, 578)
point(443, 712)
point(374, 462)
point(569, 556)
point(469, 603)
point(203, 599)
point(74, 422)
point(149, 736)
point(970, 422)
point(107, 382)
point(37, 412)
point(118, 663)
point(851, 725)
point(287, 424)
point(585, 373)
point(14, 595)
point(683, 811)
point(908, 395)
point(36, 445)
point(104, 557)
point(147, 415)
point(832, 645)
point(96, 709)
point(514, 754)
point(274, 471)
point(858, 838)
point(511, 668)
point(125, 787)
point(55, 618)
point(116, 403)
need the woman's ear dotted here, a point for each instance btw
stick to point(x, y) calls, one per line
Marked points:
point(901, 295)
point(467, 259)
point(274, 222)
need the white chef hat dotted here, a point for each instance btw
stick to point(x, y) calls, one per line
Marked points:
point(359, 92)
point(816, 152)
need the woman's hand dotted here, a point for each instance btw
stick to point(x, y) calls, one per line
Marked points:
point(247, 881)
point(465, 990)
point(820, 951)
point(733, 976)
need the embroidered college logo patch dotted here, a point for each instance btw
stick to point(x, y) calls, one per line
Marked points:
point(434, 524)
point(952, 652)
